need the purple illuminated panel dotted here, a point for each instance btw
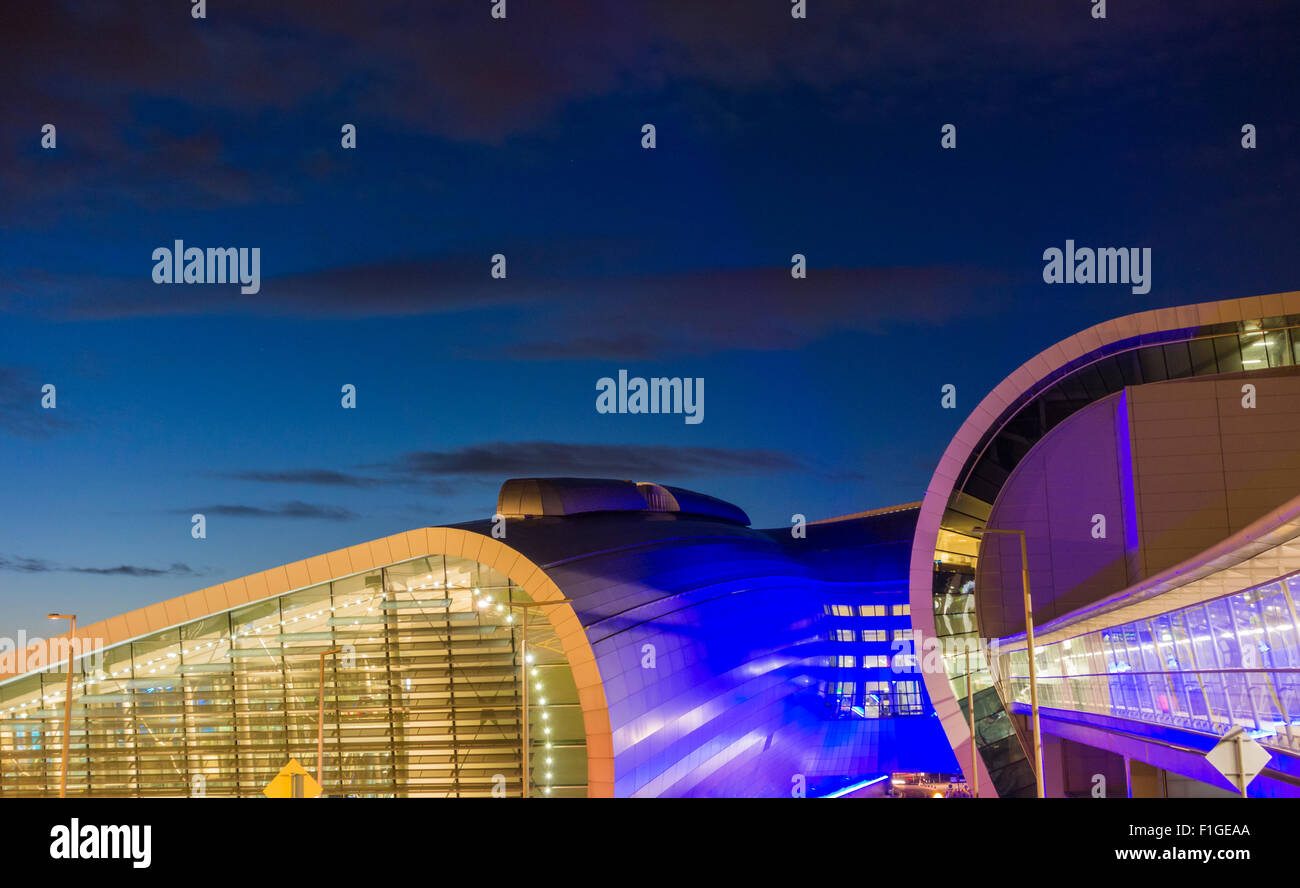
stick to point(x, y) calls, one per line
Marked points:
point(712, 645)
point(1060, 494)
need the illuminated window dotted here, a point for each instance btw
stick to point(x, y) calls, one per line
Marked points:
point(841, 697)
point(905, 662)
point(875, 699)
point(214, 704)
point(907, 698)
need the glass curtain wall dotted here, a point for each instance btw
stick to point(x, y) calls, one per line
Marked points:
point(871, 670)
point(1209, 667)
point(1176, 354)
point(422, 699)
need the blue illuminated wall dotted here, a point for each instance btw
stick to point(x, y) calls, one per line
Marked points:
point(715, 648)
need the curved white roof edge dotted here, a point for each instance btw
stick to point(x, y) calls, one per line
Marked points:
point(987, 413)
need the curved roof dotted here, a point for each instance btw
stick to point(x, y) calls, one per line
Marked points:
point(727, 606)
point(611, 564)
point(381, 553)
point(728, 611)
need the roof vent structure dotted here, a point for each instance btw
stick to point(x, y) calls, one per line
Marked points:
point(536, 497)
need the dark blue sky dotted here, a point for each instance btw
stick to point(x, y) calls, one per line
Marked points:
point(522, 137)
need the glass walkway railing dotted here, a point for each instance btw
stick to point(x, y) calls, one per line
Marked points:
point(1232, 661)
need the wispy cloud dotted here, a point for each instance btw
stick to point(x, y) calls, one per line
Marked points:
point(441, 471)
point(19, 564)
point(501, 459)
point(554, 314)
point(291, 509)
point(177, 569)
point(21, 412)
point(318, 477)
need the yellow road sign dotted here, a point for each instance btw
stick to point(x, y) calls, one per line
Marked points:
point(293, 782)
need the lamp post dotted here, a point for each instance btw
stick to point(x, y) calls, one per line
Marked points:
point(523, 665)
point(320, 720)
point(970, 714)
point(1033, 666)
point(67, 703)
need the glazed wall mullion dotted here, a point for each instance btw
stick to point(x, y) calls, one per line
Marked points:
point(423, 700)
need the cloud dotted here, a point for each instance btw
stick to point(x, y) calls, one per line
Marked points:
point(442, 472)
point(160, 110)
point(495, 78)
point(709, 310)
point(380, 290)
point(503, 459)
point(177, 569)
point(551, 315)
point(20, 564)
point(25, 565)
point(291, 509)
point(333, 478)
point(21, 412)
point(319, 477)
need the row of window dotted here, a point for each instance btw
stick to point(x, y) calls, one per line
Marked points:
point(1003, 446)
point(869, 635)
point(901, 662)
point(874, 699)
point(868, 610)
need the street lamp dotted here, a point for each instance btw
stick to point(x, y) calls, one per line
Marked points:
point(970, 715)
point(320, 720)
point(67, 703)
point(1029, 640)
point(523, 665)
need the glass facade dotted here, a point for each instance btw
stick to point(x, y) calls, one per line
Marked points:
point(873, 659)
point(423, 699)
point(1172, 354)
point(1227, 662)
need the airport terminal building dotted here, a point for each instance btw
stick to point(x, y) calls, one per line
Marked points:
point(1153, 465)
point(613, 638)
point(685, 654)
